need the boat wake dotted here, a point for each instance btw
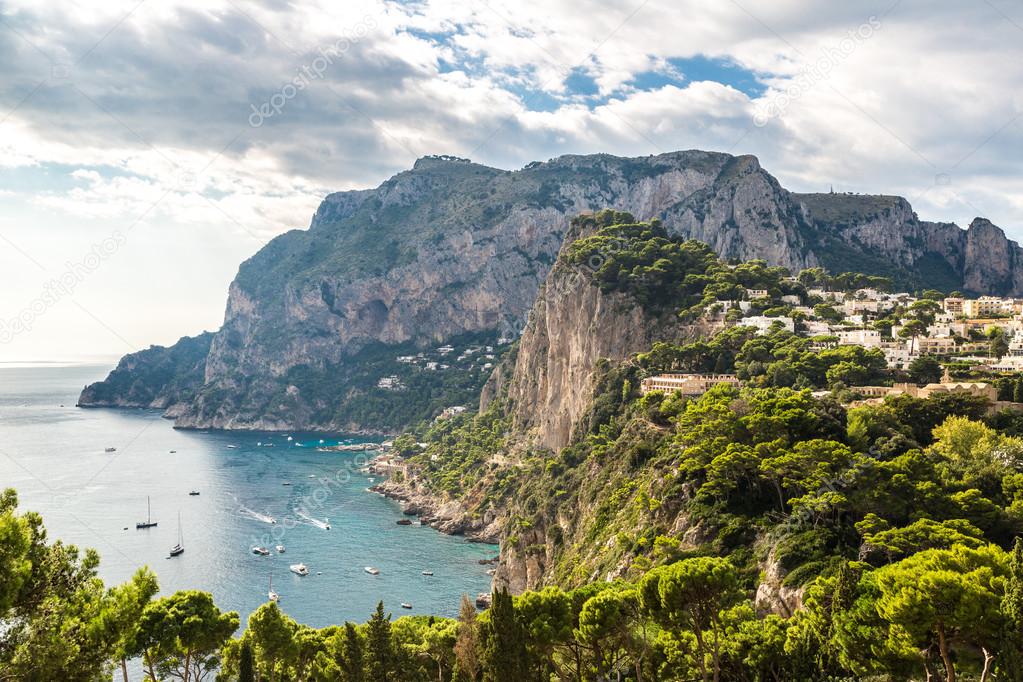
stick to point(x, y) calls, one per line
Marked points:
point(255, 515)
point(322, 525)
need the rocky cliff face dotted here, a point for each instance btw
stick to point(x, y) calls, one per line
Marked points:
point(451, 247)
point(572, 327)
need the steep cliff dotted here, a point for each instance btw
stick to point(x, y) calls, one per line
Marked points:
point(451, 248)
point(573, 326)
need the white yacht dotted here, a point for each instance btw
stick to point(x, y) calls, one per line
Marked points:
point(261, 551)
point(299, 569)
point(280, 549)
point(372, 571)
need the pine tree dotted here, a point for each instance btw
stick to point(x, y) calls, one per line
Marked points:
point(245, 664)
point(505, 648)
point(353, 665)
point(379, 652)
point(467, 645)
point(1010, 660)
point(1017, 392)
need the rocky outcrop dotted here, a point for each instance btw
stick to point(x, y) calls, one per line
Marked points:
point(772, 595)
point(990, 261)
point(451, 247)
point(159, 377)
point(446, 515)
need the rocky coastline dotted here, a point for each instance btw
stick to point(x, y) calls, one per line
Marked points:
point(445, 515)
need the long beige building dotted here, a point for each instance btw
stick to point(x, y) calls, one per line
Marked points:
point(687, 384)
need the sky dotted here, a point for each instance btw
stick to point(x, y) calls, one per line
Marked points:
point(148, 147)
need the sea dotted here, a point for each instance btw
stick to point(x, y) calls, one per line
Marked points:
point(255, 489)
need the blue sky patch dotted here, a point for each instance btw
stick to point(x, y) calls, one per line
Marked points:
point(700, 68)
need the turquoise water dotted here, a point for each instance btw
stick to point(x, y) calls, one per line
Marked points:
point(54, 456)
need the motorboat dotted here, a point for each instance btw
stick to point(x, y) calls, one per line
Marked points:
point(109, 449)
point(193, 493)
point(427, 572)
point(261, 551)
point(232, 447)
point(371, 570)
point(280, 549)
point(299, 569)
point(406, 605)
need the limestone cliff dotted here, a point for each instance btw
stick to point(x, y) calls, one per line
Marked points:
point(451, 247)
point(572, 327)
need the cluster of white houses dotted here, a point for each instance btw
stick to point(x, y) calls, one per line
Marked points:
point(958, 330)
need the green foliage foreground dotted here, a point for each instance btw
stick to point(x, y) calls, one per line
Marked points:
point(942, 611)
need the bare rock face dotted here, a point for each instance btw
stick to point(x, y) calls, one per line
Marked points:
point(772, 595)
point(990, 261)
point(571, 328)
point(745, 214)
point(451, 247)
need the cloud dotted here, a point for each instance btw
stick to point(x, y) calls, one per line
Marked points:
point(145, 97)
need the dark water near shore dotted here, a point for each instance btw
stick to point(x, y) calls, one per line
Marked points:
point(54, 456)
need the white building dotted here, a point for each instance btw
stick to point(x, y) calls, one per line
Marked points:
point(837, 296)
point(816, 327)
point(854, 307)
point(869, 338)
point(763, 324)
point(391, 383)
point(897, 356)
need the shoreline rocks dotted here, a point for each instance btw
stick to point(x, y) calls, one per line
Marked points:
point(447, 516)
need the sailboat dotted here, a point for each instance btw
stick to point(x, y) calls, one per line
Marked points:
point(149, 522)
point(178, 548)
point(271, 594)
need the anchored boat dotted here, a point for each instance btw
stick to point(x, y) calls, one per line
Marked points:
point(149, 522)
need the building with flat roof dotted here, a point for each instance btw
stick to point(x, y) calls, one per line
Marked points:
point(687, 384)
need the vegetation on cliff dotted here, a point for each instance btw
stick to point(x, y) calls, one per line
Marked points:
point(348, 396)
point(156, 377)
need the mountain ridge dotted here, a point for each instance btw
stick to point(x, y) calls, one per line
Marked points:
point(453, 247)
